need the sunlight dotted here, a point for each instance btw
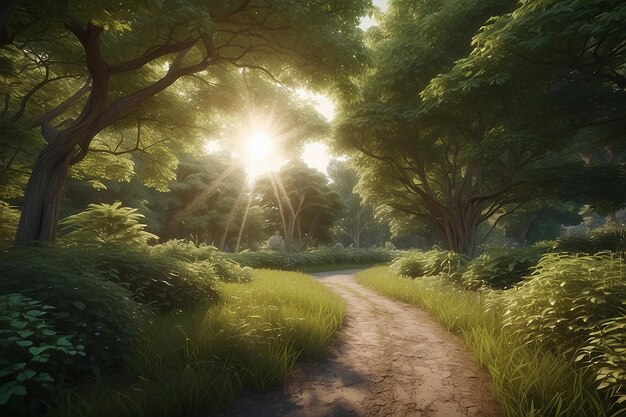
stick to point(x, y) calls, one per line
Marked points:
point(261, 155)
point(316, 155)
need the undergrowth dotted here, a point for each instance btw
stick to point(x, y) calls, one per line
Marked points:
point(528, 379)
point(201, 360)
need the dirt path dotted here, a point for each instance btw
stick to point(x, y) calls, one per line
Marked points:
point(390, 359)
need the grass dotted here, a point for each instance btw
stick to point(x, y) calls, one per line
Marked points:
point(333, 267)
point(201, 361)
point(527, 380)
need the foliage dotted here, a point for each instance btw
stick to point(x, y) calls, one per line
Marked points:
point(276, 243)
point(502, 269)
point(9, 218)
point(300, 203)
point(566, 298)
point(357, 225)
point(434, 262)
point(224, 269)
point(602, 239)
point(164, 282)
point(317, 257)
point(31, 352)
point(135, 118)
point(106, 224)
point(200, 361)
point(527, 380)
point(97, 313)
point(575, 302)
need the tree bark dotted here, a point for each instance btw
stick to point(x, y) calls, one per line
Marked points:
point(42, 203)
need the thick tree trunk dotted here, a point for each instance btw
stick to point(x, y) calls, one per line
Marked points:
point(42, 204)
point(459, 234)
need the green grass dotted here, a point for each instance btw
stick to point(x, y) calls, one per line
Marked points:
point(527, 380)
point(203, 360)
point(333, 267)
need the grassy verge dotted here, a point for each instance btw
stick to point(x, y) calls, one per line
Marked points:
point(334, 267)
point(527, 380)
point(201, 361)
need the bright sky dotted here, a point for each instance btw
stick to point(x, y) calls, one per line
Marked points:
point(367, 22)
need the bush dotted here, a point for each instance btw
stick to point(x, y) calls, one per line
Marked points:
point(434, 262)
point(31, 352)
point(98, 314)
point(165, 282)
point(225, 269)
point(568, 303)
point(502, 269)
point(411, 265)
point(603, 239)
point(318, 257)
point(276, 243)
point(106, 224)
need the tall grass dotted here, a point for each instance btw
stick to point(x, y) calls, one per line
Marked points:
point(527, 380)
point(204, 359)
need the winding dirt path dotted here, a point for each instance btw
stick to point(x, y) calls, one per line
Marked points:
point(390, 359)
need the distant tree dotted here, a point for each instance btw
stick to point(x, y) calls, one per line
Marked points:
point(299, 201)
point(357, 221)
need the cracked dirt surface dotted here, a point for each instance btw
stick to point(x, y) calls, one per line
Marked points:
point(389, 359)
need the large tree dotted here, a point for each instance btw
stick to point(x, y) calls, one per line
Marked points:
point(453, 127)
point(110, 59)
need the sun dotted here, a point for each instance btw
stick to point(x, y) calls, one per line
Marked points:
point(261, 155)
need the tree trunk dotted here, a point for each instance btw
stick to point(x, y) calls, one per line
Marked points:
point(42, 203)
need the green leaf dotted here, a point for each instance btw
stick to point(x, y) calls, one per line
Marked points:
point(79, 305)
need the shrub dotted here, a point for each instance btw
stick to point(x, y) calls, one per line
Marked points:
point(605, 352)
point(31, 352)
point(106, 224)
point(411, 265)
point(225, 269)
point(434, 262)
point(502, 269)
point(603, 239)
point(276, 243)
point(575, 302)
point(165, 282)
point(99, 315)
point(318, 257)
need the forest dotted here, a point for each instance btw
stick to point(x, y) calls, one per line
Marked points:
point(199, 198)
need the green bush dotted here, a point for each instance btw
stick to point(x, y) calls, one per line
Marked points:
point(31, 353)
point(106, 224)
point(502, 269)
point(165, 282)
point(434, 262)
point(99, 314)
point(225, 269)
point(604, 239)
point(605, 352)
point(574, 302)
point(410, 265)
point(317, 257)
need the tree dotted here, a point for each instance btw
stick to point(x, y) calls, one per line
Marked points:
point(442, 157)
point(357, 221)
point(299, 201)
point(121, 58)
point(455, 131)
